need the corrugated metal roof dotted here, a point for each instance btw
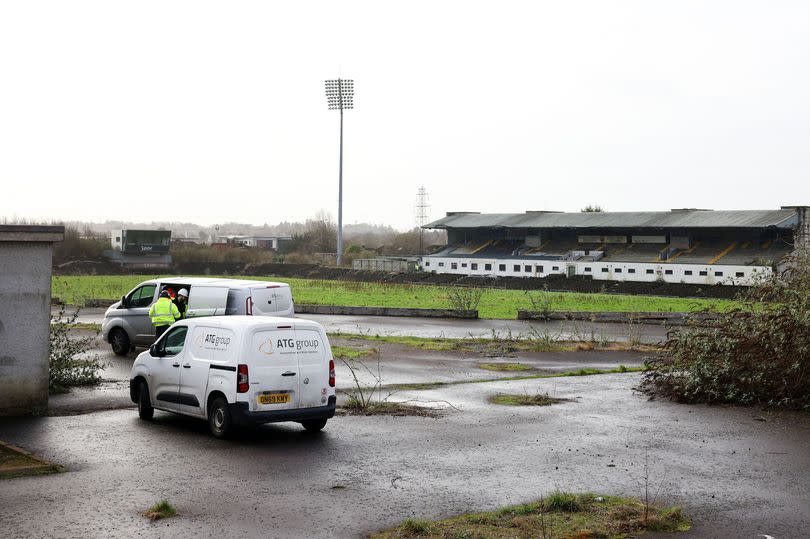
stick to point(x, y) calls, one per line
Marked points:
point(784, 218)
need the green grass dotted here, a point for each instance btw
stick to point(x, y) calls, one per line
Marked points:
point(495, 303)
point(562, 514)
point(162, 509)
point(512, 399)
point(348, 352)
point(505, 367)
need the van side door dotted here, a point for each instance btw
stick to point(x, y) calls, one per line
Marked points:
point(207, 301)
point(208, 348)
point(165, 379)
point(136, 315)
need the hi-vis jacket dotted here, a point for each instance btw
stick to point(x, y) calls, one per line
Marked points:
point(163, 312)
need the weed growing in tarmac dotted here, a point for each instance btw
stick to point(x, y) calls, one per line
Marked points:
point(511, 399)
point(505, 367)
point(68, 362)
point(559, 515)
point(162, 509)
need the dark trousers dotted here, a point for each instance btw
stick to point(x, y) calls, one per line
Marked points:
point(160, 330)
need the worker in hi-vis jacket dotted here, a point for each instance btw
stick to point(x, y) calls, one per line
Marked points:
point(163, 313)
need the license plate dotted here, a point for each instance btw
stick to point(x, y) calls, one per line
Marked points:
point(274, 398)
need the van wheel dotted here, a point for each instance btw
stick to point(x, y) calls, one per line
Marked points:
point(120, 342)
point(145, 410)
point(314, 425)
point(219, 418)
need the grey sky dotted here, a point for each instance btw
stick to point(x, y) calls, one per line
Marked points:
point(113, 110)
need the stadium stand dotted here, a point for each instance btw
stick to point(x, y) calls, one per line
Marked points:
point(683, 245)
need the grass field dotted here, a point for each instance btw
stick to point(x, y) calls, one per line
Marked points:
point(495, 303)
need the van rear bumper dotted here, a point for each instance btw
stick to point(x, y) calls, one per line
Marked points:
point(242, 416)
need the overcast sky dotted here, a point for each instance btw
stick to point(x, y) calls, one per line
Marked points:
point(214, 112)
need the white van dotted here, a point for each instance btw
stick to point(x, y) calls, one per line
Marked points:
point(127, 324)
point(238, 370)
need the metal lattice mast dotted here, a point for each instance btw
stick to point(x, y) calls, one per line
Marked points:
point(422, 217)
point(340, 96)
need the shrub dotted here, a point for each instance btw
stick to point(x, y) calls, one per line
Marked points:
point(757, 354)
point(464, 298)
point(65, 366)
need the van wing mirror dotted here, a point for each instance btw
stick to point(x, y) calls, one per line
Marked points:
point(155, 351)
point(124, 304)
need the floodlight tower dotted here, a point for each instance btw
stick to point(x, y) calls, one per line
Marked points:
point(340, 96)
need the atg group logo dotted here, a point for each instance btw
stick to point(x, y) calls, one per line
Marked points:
point(266, 346)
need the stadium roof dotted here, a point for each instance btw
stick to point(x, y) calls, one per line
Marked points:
point(687, 218)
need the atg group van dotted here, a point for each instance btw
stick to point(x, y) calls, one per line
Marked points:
point(238, 370)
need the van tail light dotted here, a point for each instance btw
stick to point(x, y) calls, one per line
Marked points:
point(242, 379)
point(249, 305)
point(331, 373)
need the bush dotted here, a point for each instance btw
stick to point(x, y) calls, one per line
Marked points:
point(464, 298)
point(65, 366)
point(756, 354)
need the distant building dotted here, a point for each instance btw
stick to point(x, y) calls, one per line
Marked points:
point(260, 242)
point(140, 248)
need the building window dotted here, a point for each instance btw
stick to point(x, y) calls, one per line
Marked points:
point(668, 272)
point(687, 272)
point(473, 266)
point(650, 272)
point(487, 267)
point(540, 269)
point(501, 267)
point(618, 270)
point(453, 265)
point(555, 268)
point(631, 270)
point(605, 270)
point(516, 267)
point(704, 273)
point(587, 270)
point(740, 274)
point(527, 269)
point(718, 273)
point(441, 264)
point(463, 264)
point(427, 263)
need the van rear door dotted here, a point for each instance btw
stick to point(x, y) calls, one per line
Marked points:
point(271, 300)
point(273, 370)
point(207, 301)
point(313, 360)
point(263, 300)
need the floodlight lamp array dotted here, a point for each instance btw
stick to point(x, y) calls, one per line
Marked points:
point(339, 94)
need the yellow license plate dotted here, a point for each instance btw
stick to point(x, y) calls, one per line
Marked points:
point(274, 398)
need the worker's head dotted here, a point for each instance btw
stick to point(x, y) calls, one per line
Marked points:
point(182, 294)
point(164, 294)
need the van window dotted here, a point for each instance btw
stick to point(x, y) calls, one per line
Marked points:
point(142, 297)
point(174, 341)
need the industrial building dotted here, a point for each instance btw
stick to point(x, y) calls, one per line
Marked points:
point(140, 248)
point(260, 242)
point(679, 246)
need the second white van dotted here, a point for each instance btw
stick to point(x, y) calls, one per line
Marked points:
point(238, 370)
point(127, 324)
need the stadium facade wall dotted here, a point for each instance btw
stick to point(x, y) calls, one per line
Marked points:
point(704, 274)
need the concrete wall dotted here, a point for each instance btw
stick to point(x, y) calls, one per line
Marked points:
point(607, 271)
point(25, 312)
